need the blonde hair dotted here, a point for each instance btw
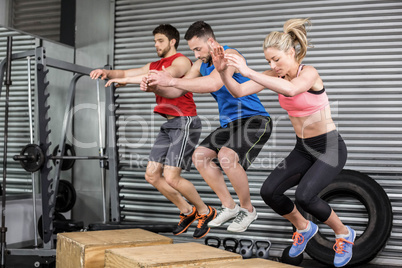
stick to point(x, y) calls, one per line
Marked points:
point(294, 35)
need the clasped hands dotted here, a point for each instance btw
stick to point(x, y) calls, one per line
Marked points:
point(156, 78)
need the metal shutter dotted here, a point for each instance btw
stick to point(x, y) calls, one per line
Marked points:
point(18, 180)
point(358, 54)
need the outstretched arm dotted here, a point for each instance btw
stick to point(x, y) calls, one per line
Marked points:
point(178, 68)
point(192, 81)
point(236, 89)
point(166, 92)
point(120, 82)
point(121, 77)
point(111, 74)
point(270, 80)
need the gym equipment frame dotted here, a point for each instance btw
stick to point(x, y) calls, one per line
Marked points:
point(50, 180)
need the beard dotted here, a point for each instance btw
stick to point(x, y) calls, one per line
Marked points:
point(164, 51)
point(207, 59)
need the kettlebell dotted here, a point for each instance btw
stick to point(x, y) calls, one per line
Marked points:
point(246, 248)
point(263, 249)
point(213, 241)
point(234, 243)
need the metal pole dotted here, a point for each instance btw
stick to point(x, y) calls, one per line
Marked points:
point(101, 152)
point(68, 157)
point(31, 140)
point(3, 197)
point(30, 99)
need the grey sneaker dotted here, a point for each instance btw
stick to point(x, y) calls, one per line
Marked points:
point(242, 220)
point(223, 215)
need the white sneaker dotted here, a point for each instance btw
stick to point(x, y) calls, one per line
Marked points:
point(223, 215)
point(243, 220)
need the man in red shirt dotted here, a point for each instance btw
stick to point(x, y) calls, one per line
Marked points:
point(177, 137)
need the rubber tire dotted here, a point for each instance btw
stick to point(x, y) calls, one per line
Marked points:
point(291, 260)
point(379, 210)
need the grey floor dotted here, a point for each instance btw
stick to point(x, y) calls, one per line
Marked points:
point(14, 261)
point(29, 262)
point(48, 262)
point(315, 264)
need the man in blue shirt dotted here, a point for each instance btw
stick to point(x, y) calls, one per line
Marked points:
point(245, 127)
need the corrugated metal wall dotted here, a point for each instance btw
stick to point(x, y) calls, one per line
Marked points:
point(358, 54)
point(38, 17)
point(18, 180)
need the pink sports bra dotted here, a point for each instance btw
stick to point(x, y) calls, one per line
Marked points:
point(304, 104)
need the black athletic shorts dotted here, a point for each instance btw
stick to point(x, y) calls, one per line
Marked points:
point(245, 136)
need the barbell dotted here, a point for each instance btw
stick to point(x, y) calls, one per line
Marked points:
point(32, 157)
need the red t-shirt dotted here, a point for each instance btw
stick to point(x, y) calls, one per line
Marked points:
point(181, 106)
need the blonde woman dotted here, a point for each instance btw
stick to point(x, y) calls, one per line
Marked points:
point(320, 152)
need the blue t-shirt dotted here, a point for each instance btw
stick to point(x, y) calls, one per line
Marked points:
point(231, 108)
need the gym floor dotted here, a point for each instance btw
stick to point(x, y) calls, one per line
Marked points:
point(14, 261)
point(48, 262)
point(30, 261)
point(315, 264)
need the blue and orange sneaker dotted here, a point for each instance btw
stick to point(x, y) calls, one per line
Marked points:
point(343, 248)
point(300, 240)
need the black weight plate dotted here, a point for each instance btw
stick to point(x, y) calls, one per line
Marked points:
point(38, 158)
point(68, 151)
point(66, 196)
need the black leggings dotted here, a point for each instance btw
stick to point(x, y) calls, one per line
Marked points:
point(312, 165)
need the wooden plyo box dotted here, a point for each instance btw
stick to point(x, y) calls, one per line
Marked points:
point(175, 255)
point(87, 249)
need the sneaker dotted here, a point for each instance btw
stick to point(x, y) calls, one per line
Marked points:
point(224, 214)
point(301, 239)
point(185, 222)
point(202, 227)
point(242, 220)
point(343, 248)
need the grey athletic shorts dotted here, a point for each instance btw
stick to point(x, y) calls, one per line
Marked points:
point(176, 142)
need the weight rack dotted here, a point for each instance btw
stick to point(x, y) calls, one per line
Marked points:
point(50, 181)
